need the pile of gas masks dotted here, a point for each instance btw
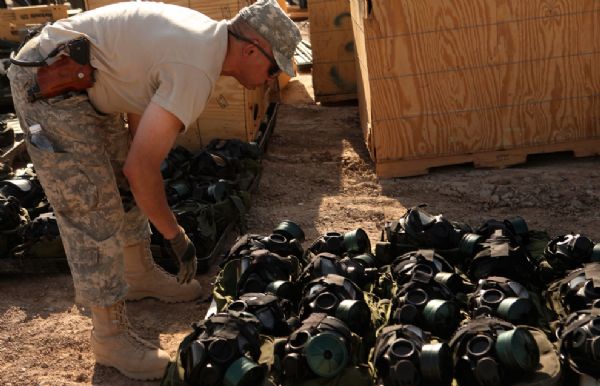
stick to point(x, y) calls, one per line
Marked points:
point(492, 352)
point(224, 350)
point(208, 191)
point(321, 347)
point(406, 355)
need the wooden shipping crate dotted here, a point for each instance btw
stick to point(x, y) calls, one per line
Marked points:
point(232, 111)
point(12, 20)
point(332, 41)
point(481, 81)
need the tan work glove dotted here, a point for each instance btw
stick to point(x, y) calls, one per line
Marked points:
point(183, 251)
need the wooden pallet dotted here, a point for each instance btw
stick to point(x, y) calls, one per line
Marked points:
point(489, 159)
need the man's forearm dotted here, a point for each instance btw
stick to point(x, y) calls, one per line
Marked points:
point(149, 193)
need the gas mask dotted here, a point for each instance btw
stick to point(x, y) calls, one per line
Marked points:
point(429, 305)
point(350, 243)
point(327, 263)
point(272, 312)
point(514, 228)
point(490, 352)
point(568, 252)
point(579, 342)
point(290, 230)
point(320, 347)
point(426, 263)
point(422, 230)
point(337, 296)
point(583, 292)
point(501, 257)
point(261, 269)
point(503, 298)
point(281, 242)
point(225, 352)
point(405, 355)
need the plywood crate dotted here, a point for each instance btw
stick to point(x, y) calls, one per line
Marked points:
point(332, 41)
point(14, 19)
point(232, 111)
point(481, 81)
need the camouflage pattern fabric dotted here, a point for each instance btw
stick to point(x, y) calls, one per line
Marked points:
point(81, 178)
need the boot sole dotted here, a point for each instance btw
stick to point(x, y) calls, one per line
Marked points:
point(134, 296)
point(138, 376)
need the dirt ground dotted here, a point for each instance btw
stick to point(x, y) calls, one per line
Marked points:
point(317, 173)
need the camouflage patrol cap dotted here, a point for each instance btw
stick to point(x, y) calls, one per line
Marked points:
point(269, 20)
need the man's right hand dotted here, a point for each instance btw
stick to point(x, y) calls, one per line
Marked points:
point(182, 249)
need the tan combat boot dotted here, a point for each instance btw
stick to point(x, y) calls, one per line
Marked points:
point(115, 345)
point(148, 280)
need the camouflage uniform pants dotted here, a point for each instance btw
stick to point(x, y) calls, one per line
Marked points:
point(81, 178)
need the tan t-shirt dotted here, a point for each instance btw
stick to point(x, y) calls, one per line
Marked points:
point(147, 51)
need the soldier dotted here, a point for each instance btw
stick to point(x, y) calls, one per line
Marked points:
point(157, 63)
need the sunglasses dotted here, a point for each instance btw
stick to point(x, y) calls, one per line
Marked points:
point(274, 69)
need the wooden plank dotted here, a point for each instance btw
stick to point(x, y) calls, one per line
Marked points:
point(485, 45)
point(493, 159)
point(432, 93)
point(216, 9)
point(296, 13)
point(518, 9)
point(325, 99)
point(363, 90)
point(501, 128)
point(93, 4)
point(332, 46)
point(547, 37)
point(329, 15)
point(432, 51)
point(484, 87)
point(555, 121)
point(224, 116)
point(331, 79)
point(36, 14)
point(393, 18)
point(14, 20)
point(543, 80)
point(436, 135)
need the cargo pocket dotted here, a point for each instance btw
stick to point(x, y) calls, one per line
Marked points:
point(65, 179)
